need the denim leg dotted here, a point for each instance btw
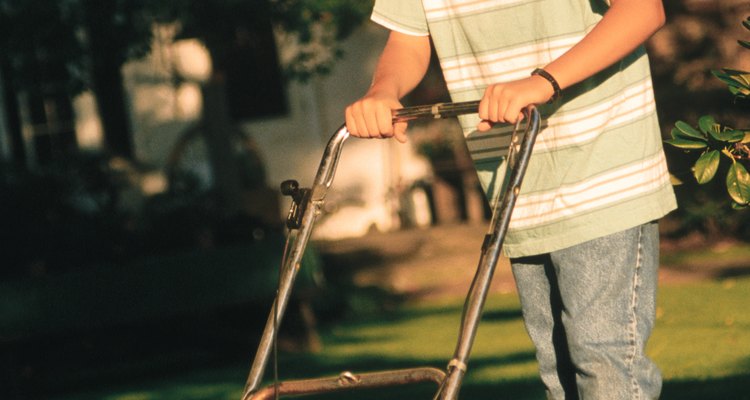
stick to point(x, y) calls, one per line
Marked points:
point(542, 313)
point(606, 290)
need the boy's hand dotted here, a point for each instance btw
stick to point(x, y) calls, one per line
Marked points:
point(371, 117)
point(503, 102)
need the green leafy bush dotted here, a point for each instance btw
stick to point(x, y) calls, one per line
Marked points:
point(714, 140)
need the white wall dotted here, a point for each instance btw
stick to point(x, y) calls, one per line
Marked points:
point(368, 170)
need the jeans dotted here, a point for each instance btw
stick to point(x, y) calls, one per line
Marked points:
point(589, 309)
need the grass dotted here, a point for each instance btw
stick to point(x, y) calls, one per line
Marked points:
point(734, 254)
point(702, 344)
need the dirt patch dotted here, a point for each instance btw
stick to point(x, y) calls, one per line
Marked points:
point(440, 261)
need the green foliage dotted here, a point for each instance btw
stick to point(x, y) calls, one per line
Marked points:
point(714, 139)
point(89, 209)
point(706, 166)
point(317, 27)
point(737, 81)
point(738, 183)
point(685, 136)
point(63, 216)
point(310, 31)
point(744, 43)
point(52, 43)
point(55, 42)
point(39, 53)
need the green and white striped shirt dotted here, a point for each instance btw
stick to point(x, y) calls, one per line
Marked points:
point(598, 165)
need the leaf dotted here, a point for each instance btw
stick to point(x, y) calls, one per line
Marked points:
point(729, 135)
point(684, 130)
point(742, 78)
point(675, 181)
point(746, 139)
point(746, 24)
point(737, 81)
point(707, 124)
point(706, 166)
point(726, 75)
point(687, 143)
point(744, 44)
point(733, 72)
point(738, 183)
point(739, 91)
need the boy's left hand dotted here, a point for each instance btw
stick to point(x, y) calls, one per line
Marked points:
point(503, 102)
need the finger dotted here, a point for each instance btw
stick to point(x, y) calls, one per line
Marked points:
point(496, 105)
point(512, 113)
point(384, 121)
point(492, 109)
point(359, 120)
point(484, 106)
point(371, 120)
point(351, 124)
point(497, 112)
point(484, 126)
point(399, 131)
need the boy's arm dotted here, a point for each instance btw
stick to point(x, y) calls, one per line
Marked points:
point(624, 27)
point(401, 67)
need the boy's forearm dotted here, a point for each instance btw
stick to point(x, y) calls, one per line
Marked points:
point(625, 26)
point(402, 65)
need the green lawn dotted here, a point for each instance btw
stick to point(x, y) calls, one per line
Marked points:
point(702, 344)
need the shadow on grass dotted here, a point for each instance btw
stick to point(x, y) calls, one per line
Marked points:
point(316, 366)
point(502, 315)
point(98, 358)
point(208, 357)
point(733, 272)
point(183, 370)
point(730, 388)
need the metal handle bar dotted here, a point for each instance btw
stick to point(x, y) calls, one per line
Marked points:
point(323, 180)
point(331, 156)
point(439, 110)
point(502, 210)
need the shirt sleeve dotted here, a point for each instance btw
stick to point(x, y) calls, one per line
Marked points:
point(405, 16)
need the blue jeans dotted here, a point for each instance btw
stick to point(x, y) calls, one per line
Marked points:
point(589, 309)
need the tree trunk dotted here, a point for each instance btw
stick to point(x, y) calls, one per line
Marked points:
point(218, 131)
point(106, 62)
point(13, 120)
point(110, 101)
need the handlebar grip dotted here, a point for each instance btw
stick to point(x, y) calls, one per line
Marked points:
point(436, 111)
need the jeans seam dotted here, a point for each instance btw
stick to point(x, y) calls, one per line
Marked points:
point(632, 334)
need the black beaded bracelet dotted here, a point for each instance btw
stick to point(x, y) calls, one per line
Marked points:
point(551, 79)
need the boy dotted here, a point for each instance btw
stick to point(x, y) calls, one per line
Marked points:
point(582, 241)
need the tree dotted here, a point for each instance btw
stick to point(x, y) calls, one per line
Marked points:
point(63, 47)
point(112, 33)
point(34, 58)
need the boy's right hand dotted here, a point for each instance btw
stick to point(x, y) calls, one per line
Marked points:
point(371, 117)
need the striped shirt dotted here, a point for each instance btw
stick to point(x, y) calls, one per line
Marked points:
point(598, 166)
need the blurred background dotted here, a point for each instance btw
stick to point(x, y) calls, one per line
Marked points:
point(142, 144)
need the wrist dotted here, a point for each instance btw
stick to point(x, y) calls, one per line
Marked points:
point(556, 92)
point(383, 90)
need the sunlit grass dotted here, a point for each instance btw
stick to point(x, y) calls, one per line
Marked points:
point(738, 253)
point(701, 343)
point(703, 330)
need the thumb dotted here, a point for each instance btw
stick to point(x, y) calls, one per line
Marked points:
point(484, 126)
point(399, 131)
